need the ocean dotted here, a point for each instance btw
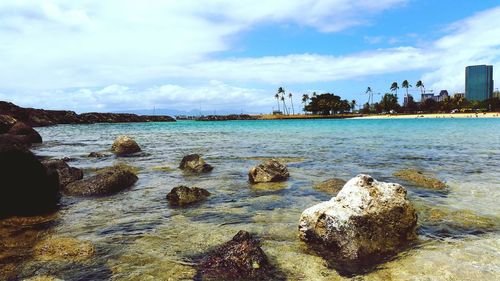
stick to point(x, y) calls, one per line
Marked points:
point(138, 236)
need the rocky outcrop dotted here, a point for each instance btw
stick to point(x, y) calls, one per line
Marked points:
point(195, 164)
point(419, 178)
point(26, 186)
point(241, 258)
point(183, 195)
point(125, 145)
point(21, 129)
point(66, 173)
point(367, 221)
point(106, 182)
point(14, 130)
point(331, 186)
point(268, 171)
point(6, 122)
point(39, 117)
point(226, 117)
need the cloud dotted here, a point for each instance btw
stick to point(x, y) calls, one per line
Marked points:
point(59, 54)
point(210, 96)
point(65, 44)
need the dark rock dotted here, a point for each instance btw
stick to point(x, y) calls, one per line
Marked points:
point(6, 122)
point(125, 145)
point(96, 155)
point(268, 171)
point(226, 117)
point(107, 182)
point(26, 186)
point(331, 186)
point(11, 140)
point(237, 259)
point(194, 163)
point(183, 195)
point(66, 173)
point(39, 117)
point(21, 129)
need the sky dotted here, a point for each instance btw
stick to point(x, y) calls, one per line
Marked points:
point(230, 56)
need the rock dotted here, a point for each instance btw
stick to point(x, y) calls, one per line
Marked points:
point(96, 155)
point(106, 182)
point(26, 186)
point(63, 249)
point(66, 173)
point(366, 222)
point(11, 140)
point(239, 258)
point(194, 163)
point(125, 145)
point(331, 186)
point(6, 122)
point(39, 117)
point(183, 195)
point(268, 171)
point(420, 179)
point(21, 129)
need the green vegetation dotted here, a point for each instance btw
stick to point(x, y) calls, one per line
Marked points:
point(327, 104)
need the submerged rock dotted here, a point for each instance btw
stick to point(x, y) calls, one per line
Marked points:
point(183, 195)
point(96, 155)
point(124, 145)
point(63, 249)
point(268, 171)
point(367, 221)
point(331, 186)
point(239, 258)
point(106, 182)
point(194, 163)
point(66, 173)
point(26, 186)
point(420, 179)
point(29, 134)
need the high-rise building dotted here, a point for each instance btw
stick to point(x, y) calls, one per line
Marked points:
point(478, 82)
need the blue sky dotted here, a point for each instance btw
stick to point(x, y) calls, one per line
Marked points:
point(232, 55)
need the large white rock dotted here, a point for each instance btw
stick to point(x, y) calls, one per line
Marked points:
point(366, 221)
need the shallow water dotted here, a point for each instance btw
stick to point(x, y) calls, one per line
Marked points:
point(138, 236)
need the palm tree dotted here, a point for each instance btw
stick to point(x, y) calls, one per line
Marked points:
point(370, 94)
point(421, 86)
point(406, 85)
point(353, 104)
point(394, 87)
point(277, 97)
point(291, 101)
point(305, 98)
point(284, 105)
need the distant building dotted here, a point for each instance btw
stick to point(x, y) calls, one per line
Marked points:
point(442, 96)
point(459, 95)
point(478, 82)
point(408, 98)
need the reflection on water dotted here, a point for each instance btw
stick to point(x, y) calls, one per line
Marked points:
point(138, 236)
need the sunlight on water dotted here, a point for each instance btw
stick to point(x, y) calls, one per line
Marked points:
point(138, 236)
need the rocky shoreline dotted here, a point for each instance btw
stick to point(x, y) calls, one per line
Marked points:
point(40, 117)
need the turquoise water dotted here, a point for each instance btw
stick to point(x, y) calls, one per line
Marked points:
point(139, 237)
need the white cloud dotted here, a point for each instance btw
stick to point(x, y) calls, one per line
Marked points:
point(52, 48)
point(211, 96)
point(54, 44)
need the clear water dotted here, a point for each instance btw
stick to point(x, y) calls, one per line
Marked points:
point(139, 237)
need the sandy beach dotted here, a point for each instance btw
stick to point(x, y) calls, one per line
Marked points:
point(431, 115)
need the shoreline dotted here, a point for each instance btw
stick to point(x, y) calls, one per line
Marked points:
point(380, 116)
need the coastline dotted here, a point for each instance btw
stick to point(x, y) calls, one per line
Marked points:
point(431, 115)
